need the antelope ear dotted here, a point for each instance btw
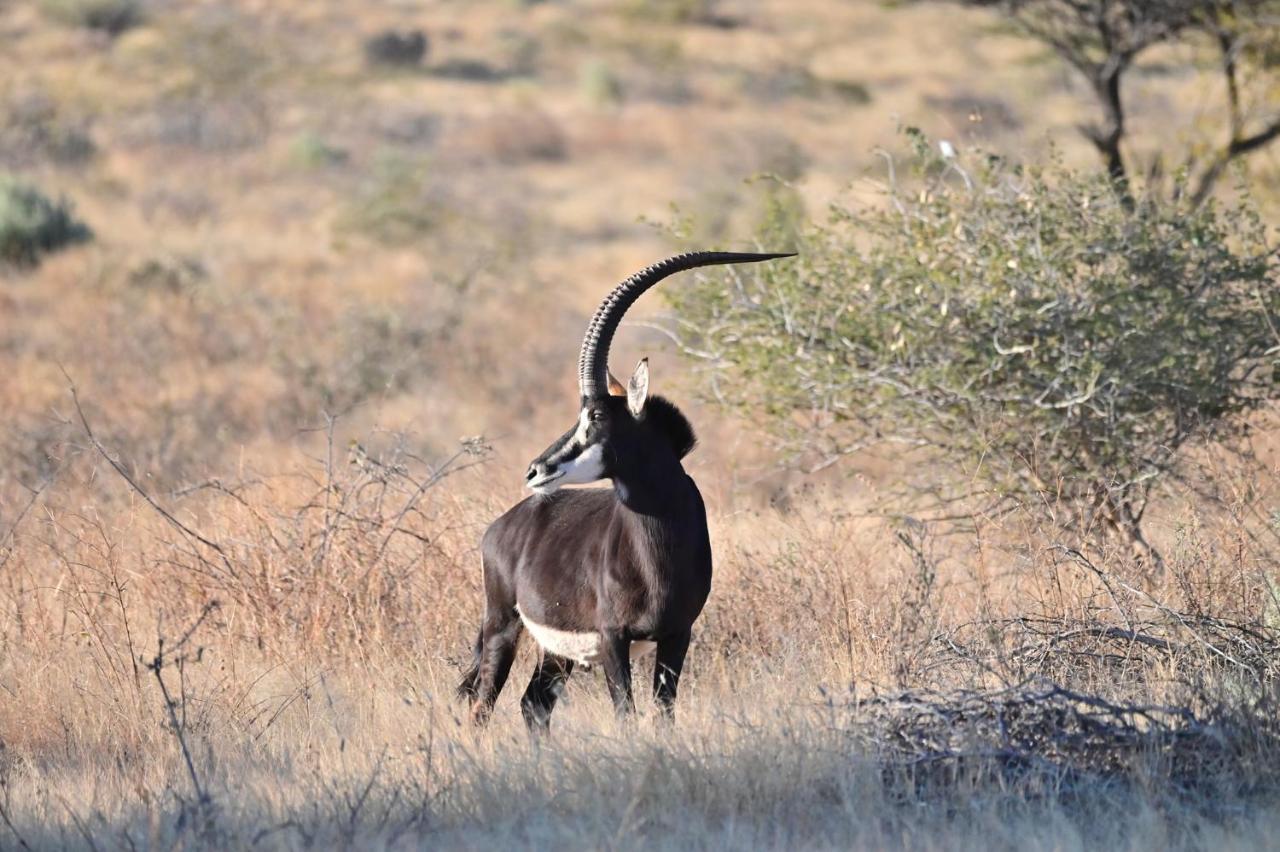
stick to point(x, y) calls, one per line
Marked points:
point(615, 386)
point(638, 388)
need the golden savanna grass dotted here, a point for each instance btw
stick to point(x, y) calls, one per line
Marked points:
point(308, 630)
point(238, 571)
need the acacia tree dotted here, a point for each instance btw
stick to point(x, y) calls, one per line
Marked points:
point(1103, 39)
point(1041, 342)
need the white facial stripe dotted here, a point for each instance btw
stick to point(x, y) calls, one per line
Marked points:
point(587, 466)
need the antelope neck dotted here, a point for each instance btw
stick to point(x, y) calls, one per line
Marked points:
point(653, 485)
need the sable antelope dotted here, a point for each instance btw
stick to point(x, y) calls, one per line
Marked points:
point(589, 572)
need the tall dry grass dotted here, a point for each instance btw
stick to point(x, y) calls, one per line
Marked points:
point(268, 660)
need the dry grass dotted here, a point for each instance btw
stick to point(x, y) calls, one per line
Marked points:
point(270, 662)
point(285, 235)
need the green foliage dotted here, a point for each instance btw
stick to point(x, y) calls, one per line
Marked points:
point(600, 86)
point(1048, 343)
point(31, 224)
point(110, 16)
point(310, 150)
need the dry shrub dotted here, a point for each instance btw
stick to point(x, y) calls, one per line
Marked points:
point(205, 369)
point(35, 128)
point(1045, 739)
point(514, 137)
point(328, 556)
point(217, 74)
point(684, 12)
point(206, 124)
point(1197, 630)
point(112, 17)
point(400, 202)
point(395, 48)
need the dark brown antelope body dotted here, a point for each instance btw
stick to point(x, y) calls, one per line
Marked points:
point(590, 572)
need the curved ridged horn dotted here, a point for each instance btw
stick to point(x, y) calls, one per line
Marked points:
point(593, 361)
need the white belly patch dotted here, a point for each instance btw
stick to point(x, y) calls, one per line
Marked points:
point(583, 648)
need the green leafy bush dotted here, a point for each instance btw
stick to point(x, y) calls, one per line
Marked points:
point(1021, 326)
point(31, 224)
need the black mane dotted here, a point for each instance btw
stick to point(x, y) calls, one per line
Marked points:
point(669, 422)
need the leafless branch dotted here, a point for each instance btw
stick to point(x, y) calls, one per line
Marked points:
point(138, 489)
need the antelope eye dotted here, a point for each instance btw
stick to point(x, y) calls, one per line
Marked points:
point(596, 415)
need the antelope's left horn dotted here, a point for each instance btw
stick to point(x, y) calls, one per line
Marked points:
point(593, 360)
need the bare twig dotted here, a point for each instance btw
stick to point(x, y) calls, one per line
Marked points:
point(7, 539)
point(157, 664)
point(138, 489)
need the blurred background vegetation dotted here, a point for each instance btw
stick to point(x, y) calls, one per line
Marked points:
point(404, 214)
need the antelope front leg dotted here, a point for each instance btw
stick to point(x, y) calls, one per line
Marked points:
point(666, 671)
point(617, 671)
